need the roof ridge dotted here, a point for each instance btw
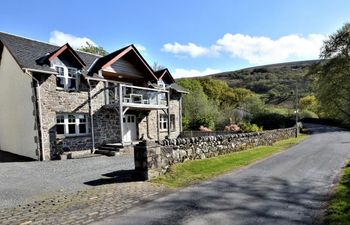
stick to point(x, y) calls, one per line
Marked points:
point(88, 53)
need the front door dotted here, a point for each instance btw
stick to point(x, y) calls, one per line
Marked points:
point(129, 128)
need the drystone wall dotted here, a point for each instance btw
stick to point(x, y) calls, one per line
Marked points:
point(155, 159)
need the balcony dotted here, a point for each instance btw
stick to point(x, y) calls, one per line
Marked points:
point(137, 97)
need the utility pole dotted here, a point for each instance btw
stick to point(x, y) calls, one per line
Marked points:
point(296, 108)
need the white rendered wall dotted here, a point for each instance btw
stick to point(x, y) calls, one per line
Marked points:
point(17, 121)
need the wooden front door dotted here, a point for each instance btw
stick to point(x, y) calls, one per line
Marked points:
point(129, 128)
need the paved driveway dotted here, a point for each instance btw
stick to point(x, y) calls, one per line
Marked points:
point(22, 182)
point(288, 188)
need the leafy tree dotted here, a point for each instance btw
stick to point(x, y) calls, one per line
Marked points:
point(93, 49)
point(333, 76)
point(309, 102)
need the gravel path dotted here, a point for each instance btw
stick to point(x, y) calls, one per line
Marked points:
point(289, 188)
point(23, 182)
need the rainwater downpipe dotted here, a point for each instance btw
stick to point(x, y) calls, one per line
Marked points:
point(91, 118)
point(40, 116)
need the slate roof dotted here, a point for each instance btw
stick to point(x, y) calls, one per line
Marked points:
point(165, 75)
point(28, 52)
point(178, 88)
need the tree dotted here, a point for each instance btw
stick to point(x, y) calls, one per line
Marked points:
point(309, 102)
point(333, 76)
point(93, 49)
point(156, 66)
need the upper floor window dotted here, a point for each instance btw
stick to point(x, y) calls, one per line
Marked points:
point(67, 78)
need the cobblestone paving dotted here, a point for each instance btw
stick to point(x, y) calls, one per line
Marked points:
point(82, 207)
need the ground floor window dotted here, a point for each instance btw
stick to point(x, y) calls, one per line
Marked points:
point(163, 122)
point(72, 124)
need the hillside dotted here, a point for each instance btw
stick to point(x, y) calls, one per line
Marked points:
point(275, 82)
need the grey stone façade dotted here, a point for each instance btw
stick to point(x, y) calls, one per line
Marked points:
point(106, 122)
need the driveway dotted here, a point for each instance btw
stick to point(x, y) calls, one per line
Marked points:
point(22, 182)
point(289, 188)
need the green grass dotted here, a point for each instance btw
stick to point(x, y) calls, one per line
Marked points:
point(195, 171)
point(339, 209)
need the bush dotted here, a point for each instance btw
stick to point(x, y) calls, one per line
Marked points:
point(308, 114)
point(206, 121)
point(270, 121)
point(247, 127)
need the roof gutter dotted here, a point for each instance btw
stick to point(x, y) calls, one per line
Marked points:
point(40, 133)
point(39, 71)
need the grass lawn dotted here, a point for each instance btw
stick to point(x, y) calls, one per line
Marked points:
point(339, 209)
point(191, 172)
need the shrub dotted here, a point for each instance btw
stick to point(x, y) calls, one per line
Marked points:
point(308, 114)
point(247, 127)
point(270, 121)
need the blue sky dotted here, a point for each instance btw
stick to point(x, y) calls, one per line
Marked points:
point(191, 38)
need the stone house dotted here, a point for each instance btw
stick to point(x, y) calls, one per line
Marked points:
point(55, 99)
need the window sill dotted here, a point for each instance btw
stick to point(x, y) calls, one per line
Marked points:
point(65, 90)
point(72, 135)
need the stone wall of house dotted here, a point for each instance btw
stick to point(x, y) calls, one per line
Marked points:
point(106, 121)
point(161, 156)
point(106, 126)
point(149, 122)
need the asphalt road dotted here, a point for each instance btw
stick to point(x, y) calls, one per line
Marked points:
point(289, 188)
point(22, 182)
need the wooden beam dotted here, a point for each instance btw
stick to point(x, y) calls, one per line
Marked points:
point(58, 52)
point(110, 62)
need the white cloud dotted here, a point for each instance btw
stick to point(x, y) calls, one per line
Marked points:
point(263, 50)
point(191, 49)
point(59, 38)
point(140, 47)
point(179, 73)
point(256, 49)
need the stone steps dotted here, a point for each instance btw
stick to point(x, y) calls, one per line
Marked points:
point(107, 152)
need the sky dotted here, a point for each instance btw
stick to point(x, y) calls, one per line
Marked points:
point(190, 37)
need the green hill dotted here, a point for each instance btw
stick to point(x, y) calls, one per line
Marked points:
point(275, 82)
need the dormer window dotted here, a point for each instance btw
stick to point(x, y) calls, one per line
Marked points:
point(67, 78)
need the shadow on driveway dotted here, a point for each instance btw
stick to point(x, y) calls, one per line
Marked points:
point(120, 176)
point(9, 157)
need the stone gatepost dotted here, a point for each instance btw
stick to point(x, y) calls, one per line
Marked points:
point(146, 157)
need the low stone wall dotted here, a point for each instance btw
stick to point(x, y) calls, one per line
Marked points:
point(156, 159)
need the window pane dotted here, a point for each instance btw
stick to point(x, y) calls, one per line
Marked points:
point(60, 82)
point(60, 70)
point(71, 83)
point(72, 72)
point(60, 129)
point(82, 118)
point(172, 122)
point(60, 119)
point(71, 128)
point(71, 119)
point(82, 128)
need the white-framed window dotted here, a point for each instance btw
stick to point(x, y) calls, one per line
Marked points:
point(163, 122)
point(72, 124)
point(67, 78)
point(172, 122)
